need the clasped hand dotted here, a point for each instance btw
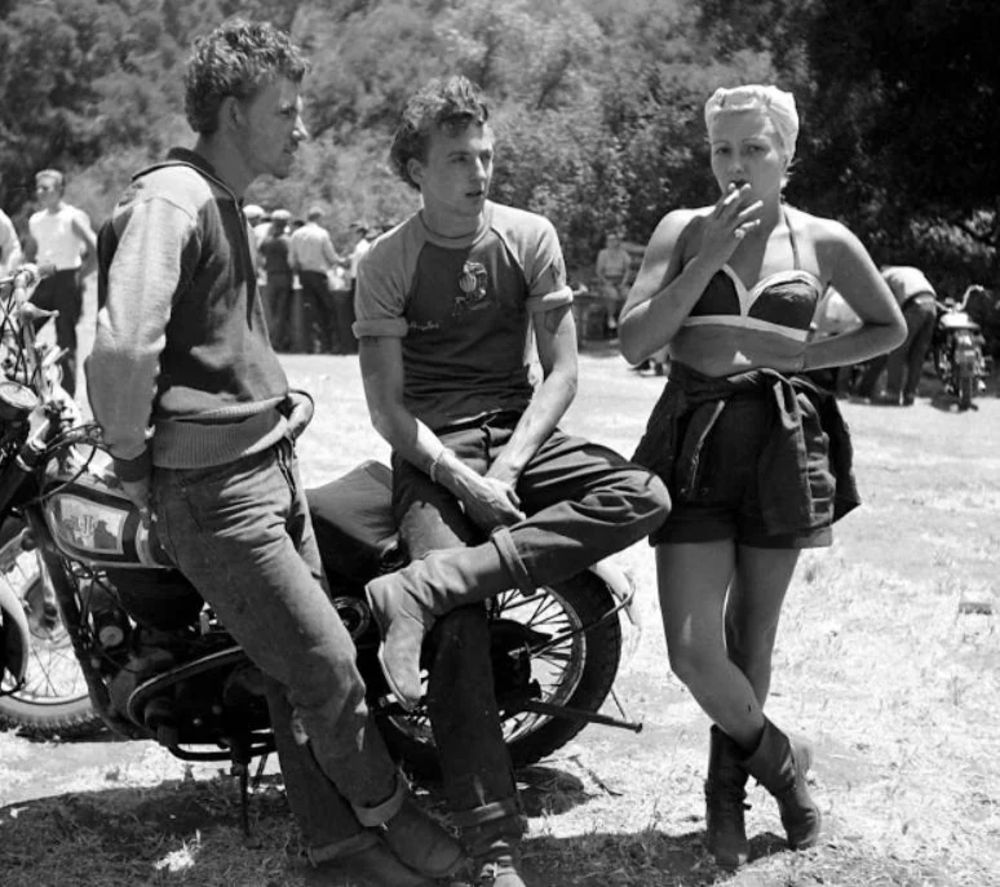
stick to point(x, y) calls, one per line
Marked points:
point(492, 503)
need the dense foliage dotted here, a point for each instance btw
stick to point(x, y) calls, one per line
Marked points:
point(598, 105)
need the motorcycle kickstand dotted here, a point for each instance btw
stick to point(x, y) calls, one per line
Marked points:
point(241, 758)
point(537, 706)
point(622, 710)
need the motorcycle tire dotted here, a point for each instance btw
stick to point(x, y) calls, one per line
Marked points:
point(588, 667)
point(53, 702)
point(942, 364)
point(966, 390)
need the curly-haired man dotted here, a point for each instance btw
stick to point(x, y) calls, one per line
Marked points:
point(204, 433)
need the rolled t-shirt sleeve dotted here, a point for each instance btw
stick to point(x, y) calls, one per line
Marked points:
point(546, 272)
point(380, 298)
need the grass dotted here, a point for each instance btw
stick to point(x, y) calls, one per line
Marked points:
point(888, 658)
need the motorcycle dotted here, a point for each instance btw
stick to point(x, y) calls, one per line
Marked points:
point(958, 349)
point(116, 637)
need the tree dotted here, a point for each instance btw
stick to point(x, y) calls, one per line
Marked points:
point(77, 76)
point(920, 84)
point(898, 103)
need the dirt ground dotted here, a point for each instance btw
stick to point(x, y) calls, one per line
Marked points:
point(888, 658)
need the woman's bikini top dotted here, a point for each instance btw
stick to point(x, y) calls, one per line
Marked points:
point(781, 304)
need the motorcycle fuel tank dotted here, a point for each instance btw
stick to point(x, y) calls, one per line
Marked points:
point(97, 524)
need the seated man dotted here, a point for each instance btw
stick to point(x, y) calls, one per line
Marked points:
point(489, 494)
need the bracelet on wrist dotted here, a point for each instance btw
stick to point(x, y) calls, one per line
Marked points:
point(435, 463)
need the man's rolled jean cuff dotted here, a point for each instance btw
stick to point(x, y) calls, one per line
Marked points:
point(504, 542)
point(508, 808)
point(383, 812)
point(348, 847)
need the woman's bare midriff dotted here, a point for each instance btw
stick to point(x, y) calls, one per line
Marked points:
point(721, 352)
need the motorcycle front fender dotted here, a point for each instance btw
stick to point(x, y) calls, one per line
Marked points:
point(15, 639)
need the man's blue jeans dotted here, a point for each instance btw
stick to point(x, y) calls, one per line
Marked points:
point(241, 533)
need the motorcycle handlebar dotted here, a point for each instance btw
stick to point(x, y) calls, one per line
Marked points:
point(29, 275)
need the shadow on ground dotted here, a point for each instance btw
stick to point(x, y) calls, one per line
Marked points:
point(648, 858)
point(188, 831)
point(131, 833)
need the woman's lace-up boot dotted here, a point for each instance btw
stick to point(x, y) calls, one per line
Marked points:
point(725, 801)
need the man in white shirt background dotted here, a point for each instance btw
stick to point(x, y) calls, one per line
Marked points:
point(312, 257)
point(61, 235)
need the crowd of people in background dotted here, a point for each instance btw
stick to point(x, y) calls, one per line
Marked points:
point(308, 289)
point(306, 283)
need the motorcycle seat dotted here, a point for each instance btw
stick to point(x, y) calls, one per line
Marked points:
point(352, 519)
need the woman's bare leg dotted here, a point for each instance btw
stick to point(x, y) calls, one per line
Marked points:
point(752, 611)
point(729, 684)
point(693, 580)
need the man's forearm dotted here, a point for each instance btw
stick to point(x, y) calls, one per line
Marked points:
point(122, 410)
point(89, 264)
point(539, 420)
point(124, 364)
point(420, 446)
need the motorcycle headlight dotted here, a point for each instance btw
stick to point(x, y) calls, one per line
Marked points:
point(16, 401)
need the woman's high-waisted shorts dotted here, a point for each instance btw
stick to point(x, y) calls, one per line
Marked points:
point(726, 502)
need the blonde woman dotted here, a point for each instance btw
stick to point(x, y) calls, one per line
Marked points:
point(756, 457)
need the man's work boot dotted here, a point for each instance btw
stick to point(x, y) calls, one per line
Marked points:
point(498, 870)
point(725, 801)
point(365, 857)
point(492, 838)
point(406, 603)
point(412, 835)
point(780, 765)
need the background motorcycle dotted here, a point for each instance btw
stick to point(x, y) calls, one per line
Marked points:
point(117, 638)
point(957, 347)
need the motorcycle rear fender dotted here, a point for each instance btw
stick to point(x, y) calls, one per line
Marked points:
point(15, 639)
point(966, 356)
point(622, 588)
point(620, 585)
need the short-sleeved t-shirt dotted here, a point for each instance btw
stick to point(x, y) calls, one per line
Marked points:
point(462, 308)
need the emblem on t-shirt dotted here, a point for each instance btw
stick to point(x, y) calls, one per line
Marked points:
point(472, 283)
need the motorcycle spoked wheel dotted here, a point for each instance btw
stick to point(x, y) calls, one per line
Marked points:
point(53, 701)
point(577, 672)
point(966, 388)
